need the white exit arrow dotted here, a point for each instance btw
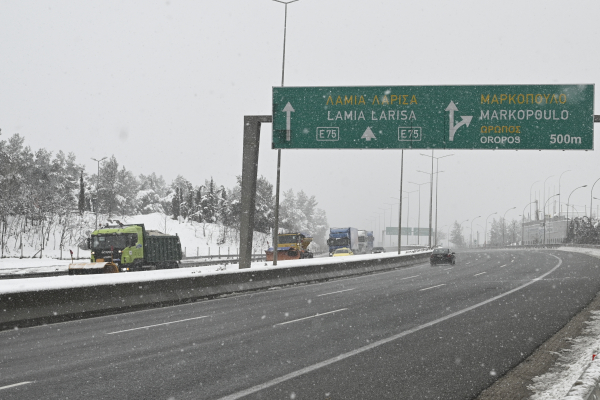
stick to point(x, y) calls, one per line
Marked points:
point(288, 109)
point(466, 120)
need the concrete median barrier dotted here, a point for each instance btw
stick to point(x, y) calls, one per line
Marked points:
point(47, 306)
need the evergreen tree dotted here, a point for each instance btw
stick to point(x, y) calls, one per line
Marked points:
point(198, 204)
point(81, 204)
point(176, 204)
point(456, 235)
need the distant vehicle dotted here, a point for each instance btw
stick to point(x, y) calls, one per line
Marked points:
point(378, 250)
point(442, 256)
point(343, 237)
point(344, 251)
point(365, 242)
point(291, 246)
point(129, 248)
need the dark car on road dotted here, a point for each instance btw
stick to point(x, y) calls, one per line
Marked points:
point(442, 256)
point(378, 250)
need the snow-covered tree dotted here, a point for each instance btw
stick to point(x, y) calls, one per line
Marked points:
point(456, 235)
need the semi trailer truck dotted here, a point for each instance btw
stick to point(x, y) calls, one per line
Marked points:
point(343, 237)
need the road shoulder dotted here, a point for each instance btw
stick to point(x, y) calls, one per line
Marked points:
point(513, 385)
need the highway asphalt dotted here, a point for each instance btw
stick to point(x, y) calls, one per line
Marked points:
point(444, 332)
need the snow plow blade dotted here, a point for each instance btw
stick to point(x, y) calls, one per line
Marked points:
point(284, 253)
point(93, 268)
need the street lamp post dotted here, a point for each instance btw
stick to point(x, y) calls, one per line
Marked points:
point(384, 228)
point(559, 190)
point(431, 198)
point(391, 212)
point(544, 194)
point(278, 181)
point(448, 244)
point(460, 226)
point(407, 211)
point(504, 225)
point(485, 231)
point(554, 195)
point(530, 202)
point(568, 201)
point(592, 197)
point(471, 243)
point(378, 223)
point(523, 225)
point(419, 218)
point(478, 242)
point(437, 168)
point(97, 188)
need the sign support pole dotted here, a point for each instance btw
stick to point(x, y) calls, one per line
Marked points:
point(400, 205)
point(249, 176)
point(431, 199)
point(276, 227)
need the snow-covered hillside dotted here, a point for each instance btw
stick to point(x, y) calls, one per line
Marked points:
point(24, 238)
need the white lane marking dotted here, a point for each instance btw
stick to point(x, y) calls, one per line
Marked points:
point(339, 291)
point(378, 343)
point(481, 273)
point(408, 277)
point(443, 284)
point(503, 266)
point(312, 316)
point(14, 385)
point(446, 269)
point(150, 326)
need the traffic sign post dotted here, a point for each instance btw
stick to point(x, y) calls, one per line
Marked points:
point(558, 117)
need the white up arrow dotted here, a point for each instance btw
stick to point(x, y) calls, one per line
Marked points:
point(288, 109)
point(368, 135)
point(466, 120)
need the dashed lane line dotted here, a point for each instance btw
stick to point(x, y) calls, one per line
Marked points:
point(343, 356)
point(15, 385)
point(443, 284)
point(339, 291)
point(481, 273)
point(408, 277)
point(151, 326)
point(312, 316)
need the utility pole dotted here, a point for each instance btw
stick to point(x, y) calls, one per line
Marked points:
point(437, 164)
point(97, 190)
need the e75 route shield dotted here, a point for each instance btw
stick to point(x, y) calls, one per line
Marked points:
point(536, 117)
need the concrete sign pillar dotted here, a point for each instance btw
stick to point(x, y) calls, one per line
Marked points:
point(249, 177)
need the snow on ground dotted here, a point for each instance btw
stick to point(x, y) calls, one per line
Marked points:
point(69, 281)
point(556, 383)
point(197, 238)
point(16, 266)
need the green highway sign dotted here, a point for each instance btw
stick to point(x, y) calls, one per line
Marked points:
point(421, 232)
point(393, 231)
point(559, 117)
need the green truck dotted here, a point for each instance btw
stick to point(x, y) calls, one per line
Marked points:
point(131, 247)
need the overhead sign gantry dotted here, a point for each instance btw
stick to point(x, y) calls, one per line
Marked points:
point(536, 117)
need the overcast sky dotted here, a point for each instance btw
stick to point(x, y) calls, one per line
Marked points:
point(164, 86)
